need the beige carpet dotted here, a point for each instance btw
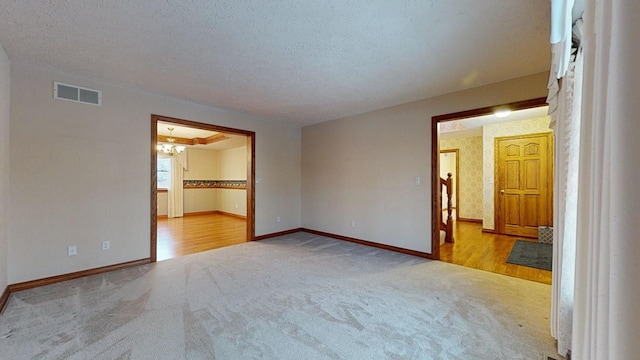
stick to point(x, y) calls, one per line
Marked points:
point(295, 297)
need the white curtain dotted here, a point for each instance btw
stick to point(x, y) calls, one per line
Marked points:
point(566, 124)
point(606, 319)
point(176, 191)
point(561, 23)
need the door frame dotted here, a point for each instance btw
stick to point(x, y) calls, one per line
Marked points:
point(251, 173)
point(498, 224)
point(436, 207)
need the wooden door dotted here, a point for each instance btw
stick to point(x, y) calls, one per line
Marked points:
point(524, 190)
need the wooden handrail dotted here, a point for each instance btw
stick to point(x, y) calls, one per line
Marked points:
point(447, 227)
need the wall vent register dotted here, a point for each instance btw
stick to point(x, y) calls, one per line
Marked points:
point(76, 93)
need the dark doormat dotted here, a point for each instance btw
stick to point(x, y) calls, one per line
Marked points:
point(531, 254)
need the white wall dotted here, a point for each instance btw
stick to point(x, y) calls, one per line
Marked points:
point(81, 172)
point(362, 168)
point(5, 114)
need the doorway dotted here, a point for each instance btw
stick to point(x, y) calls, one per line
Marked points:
point(478, 243)
point(436, 122)
point(248, 184)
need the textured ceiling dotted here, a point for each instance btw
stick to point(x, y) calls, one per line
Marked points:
point(301, 61)
point(473, 126)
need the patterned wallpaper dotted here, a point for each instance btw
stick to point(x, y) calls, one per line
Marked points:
point(197, 200)
point(470, 182)
point(208, 199)
point(163, 203)
point(489, 133)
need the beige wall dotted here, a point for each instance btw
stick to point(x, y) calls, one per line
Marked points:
point(81, 172)
point(5, 114)
point(470, 184)
point(163, 203)
point(232, 164)
point(489, 133)
point(201, 164)
point(362, 168)
point(200, 200)
point(232, 201)
point(448, 163)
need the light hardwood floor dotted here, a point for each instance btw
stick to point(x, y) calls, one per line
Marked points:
point(196, 233)
point(475, 249)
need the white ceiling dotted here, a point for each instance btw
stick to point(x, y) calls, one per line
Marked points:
point(473, 126)
point(301, 61)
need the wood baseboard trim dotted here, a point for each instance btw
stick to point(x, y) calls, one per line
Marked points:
point(74, 275)
point(276, 234)
point(220, 212)
point(212, 212)
point(490, 231)
point(197, 213)
point(479, 221)
point(4, 299)
point(372, 244)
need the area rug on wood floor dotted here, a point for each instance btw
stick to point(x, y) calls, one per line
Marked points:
point(531, 254)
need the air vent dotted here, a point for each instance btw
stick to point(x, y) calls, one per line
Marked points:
point(76, 93)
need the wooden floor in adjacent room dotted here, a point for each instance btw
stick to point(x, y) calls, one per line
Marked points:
point(475, 249)
point(195, 233)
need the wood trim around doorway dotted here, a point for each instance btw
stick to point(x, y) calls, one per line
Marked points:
point(251, 173)
point(436, 207)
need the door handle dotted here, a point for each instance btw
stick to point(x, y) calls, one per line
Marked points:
point(501, 192)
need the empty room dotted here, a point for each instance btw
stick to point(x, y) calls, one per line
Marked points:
point(308, 179)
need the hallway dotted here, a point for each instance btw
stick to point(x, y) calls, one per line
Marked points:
point(485, 251)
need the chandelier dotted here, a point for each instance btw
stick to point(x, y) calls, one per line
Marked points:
point(170, 149)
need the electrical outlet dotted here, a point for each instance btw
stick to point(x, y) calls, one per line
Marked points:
point(236, 206)
point(106, 245)
point(278, 219)
point(353, 223)
point(72, 250)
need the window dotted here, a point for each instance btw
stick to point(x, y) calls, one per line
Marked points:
point(164, 172)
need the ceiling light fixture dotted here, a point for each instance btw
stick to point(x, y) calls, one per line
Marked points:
point(502, 113)
point(170, 149)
